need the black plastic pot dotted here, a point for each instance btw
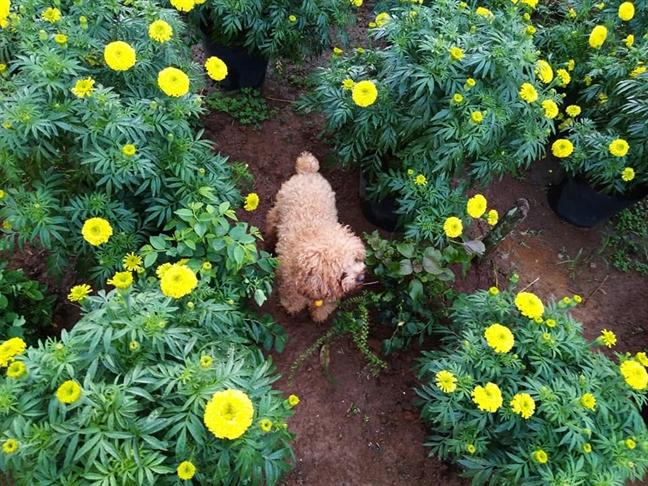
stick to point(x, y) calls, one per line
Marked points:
point(380, 213)
point(578, 203)
point(244, 70)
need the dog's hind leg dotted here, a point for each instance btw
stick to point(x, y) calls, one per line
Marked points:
point(272, 220)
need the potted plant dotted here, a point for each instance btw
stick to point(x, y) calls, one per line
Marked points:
point(602, 145)
point(257, 31)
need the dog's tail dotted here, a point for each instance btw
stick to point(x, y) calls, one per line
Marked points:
point(306, 163)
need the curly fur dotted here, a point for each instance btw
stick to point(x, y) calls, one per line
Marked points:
point(319, 259)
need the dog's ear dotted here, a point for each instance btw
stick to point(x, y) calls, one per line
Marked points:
point(317, 275)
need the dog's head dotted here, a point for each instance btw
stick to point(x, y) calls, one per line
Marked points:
point(332, 266)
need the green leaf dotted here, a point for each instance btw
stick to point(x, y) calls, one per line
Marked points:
point(405, 267)
point(150, 259)
point(185, 214)
point(415, 289)
point(158, 242)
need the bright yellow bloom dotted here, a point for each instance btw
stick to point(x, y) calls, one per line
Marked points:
point(562, 148)
point(529, 305)
point(602, 97)
point(642, 358)
point(60, 39)
point(550, 108)
point(634, 374)
point(457, 98)
point(588, 401)
point(572, 13)
point(630, 443)
point(178, 281)
point(470, 448)
point(251, 201)
point(228, 414)
point(626, 11)
point(292, 18)
point(476, 206)
point(160, 31)
point(563, 76)
point(488, 398)
point(382, 19)
point(51, 15)
point(132, 262)
point(186, 470)
point(608, 338)
point(266, 425)
point(619, 147)
point(10, 446)
point(571, 64)
point(587, 448)
point(173, 82)
point(528, 93)
point(206, 362)
point(183, 5)
point(540, 456)
point(493, 291)
point(446, 381)
point(629, 40)
point(573, 110)
point(121, 280)
point(79, 292)
point(530, 3)
point(348, 84)
point(499, 337)
point(364, 93)
point(162, 269)
point(484, 12)
point(470, 82)
point(420, 180)
point(456, 53)
point(293, 400)
point(597, 36)
point(530, 29)
point(492, 217)
point(11, 348)
point(637, 71)
point(453, 227)
point(523, 405)
point(96, 231)
point(216, 68)
point(129, 150)
point(476, 116)
point(119, 56)
point(83, 88)
point(544, 72)
point(16, 369)
point(337, 51)
point(68, 392)
point(587, 80)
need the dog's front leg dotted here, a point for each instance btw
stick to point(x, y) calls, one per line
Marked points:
point(320, 313)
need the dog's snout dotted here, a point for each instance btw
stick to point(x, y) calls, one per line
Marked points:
point(360, 278)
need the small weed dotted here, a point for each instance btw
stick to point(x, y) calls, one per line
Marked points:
point(628, 240)
point(572, 263)
point(246, 106)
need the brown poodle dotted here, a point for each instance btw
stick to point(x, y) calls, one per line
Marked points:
point(319, 259)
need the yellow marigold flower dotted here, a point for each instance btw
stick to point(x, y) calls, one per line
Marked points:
point(348, 84)
point(410, 172)
point(206, 266)
point(83, 88)
point(186, 470)
point(619, 147)
point(292, 18)
point(629, 40)
point(572, 13)
point(420, 180)
point(630, 444)
point(597, 36)
point(129, 150)
point(132, 262)
point(608, 338)
point(96, 231)
point(228, 414)
point(587, 80)
point(457, 98)
point(121, 280)
point(499, 337)
point(563, 76)
point(540, 456)
point(16, 369)
point(68, 392)
point(160, 31)
point(360, 50)
point(173, 82)
point(642, 358)
point(293, 400)
point(372, 25)
point(573, 110)
point(2, 194)
point(588, 401)
point(626, 11)
point(571, 64)
point(251, 201)
point(178, 281)
point(183, 5)
point(119, 56)
point(162, 269)
point(493, 291)
point(364, 93)
point(382, 19)
point(492, 217)
point(637, 71)
point(523, 405)
point(476, 116)
point(544, 72)
point(529, 305)
point(528, 93)
point(530, 3)
point(526, 17)
point(562, 148)
point(484, 12)
point(550, 108)
point(587, 448)
point(133, 345)
point(634, 374)
point(337, 51)
point(51, 15)
point(453, 227)
point(470, 82)
point(60, 39)
point(470, 448)
point(11, 348)
point(488, 398)
point(79, 292)
point(266, 424)
point(530, 29)
point(205, 362)
point(476, 206)
point(216, 68)
point(446, 381)
point(456, 53)
point(10, 446)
